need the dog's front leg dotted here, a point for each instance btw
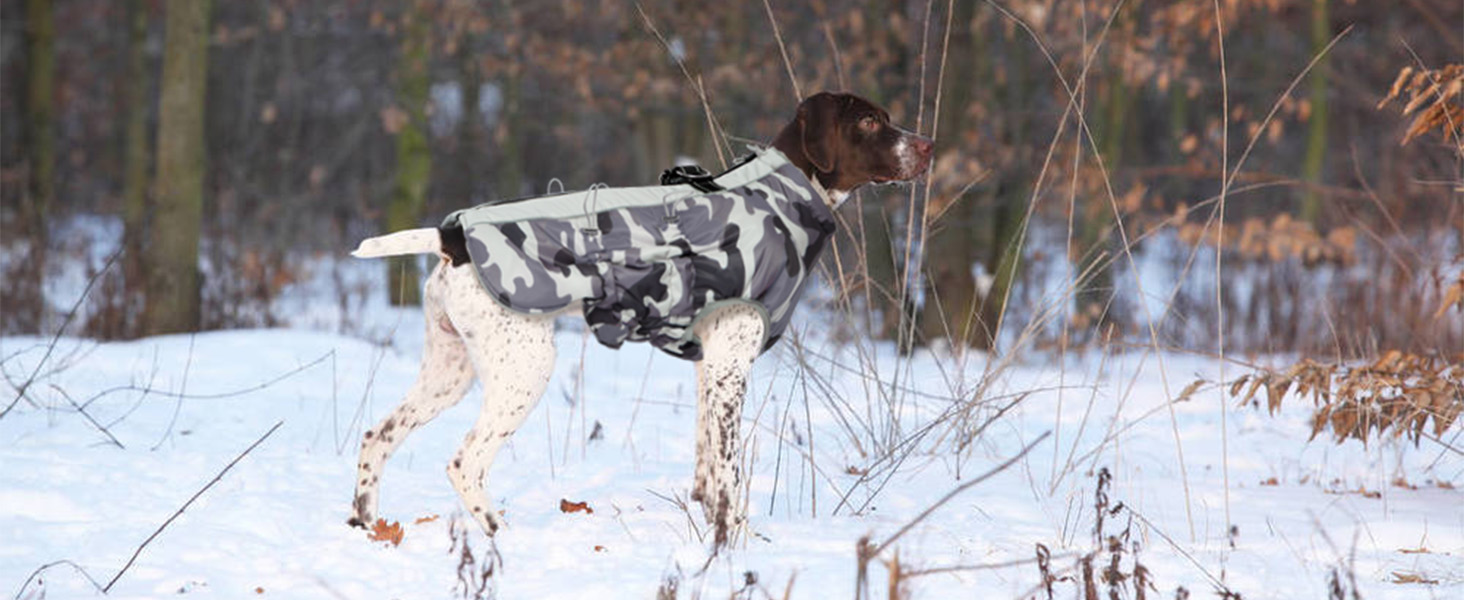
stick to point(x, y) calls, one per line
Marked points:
point(731, 338)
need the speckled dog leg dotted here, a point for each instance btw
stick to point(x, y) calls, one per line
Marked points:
point(514, 358)
point(731, 339)
point(444, 378)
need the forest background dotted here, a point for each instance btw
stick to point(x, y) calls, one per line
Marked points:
point(234, 143)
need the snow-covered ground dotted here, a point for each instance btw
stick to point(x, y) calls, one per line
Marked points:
point(616, 431)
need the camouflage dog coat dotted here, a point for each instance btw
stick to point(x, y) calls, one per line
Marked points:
point(647, 262)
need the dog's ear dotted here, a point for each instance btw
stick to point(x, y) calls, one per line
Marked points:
point(817, 123)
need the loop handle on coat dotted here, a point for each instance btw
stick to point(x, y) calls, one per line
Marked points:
point(591, 206)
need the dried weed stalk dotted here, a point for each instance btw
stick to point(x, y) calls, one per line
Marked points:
point(1112, 569)
point(475, 572)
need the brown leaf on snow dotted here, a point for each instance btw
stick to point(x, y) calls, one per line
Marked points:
point(426, 519)
point(1402, 577)
point(573, 507)
point(382, 531)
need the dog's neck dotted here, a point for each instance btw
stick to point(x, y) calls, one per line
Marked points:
point(831, 198)
point(790, 143)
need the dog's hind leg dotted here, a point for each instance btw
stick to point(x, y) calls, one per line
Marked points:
point(731, 338)
point(444, 378)
point(514, 356)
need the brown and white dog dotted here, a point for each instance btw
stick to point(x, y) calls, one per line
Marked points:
point(840, 139)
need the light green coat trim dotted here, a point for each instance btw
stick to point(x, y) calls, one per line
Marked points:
point(585, 204)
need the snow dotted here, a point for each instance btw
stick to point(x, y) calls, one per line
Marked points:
point(183, 407)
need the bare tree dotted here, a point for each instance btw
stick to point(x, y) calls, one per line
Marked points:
point(135, 159)
point(23, 302)
point(414, 157)
point(172, 254)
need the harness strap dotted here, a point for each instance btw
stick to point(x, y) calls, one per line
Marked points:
point(692, 175)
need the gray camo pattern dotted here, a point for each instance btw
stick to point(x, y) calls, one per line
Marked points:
point(644, 273)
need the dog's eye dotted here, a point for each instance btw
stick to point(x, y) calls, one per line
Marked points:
point(869, 123)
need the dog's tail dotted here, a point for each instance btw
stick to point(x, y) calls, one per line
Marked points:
point(411, 241)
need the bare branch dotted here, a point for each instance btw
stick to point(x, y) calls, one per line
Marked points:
point(185, 506)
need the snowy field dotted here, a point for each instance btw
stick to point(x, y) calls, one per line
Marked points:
point(163, 416)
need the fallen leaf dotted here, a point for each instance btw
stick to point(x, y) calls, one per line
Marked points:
point(427, 519)
point(574, 507)
point(599, 548)
point(1401, 577)
point(1270, 481)
point(382, 531)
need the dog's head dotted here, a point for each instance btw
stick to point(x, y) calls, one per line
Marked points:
point(846, 141)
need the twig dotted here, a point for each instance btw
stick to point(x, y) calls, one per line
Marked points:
point(953, 493)
point(719, 136)
point(1219, 585)
point(980, 567)
point(88, 416)
point(43, 568)
point(216, 396)
point(51, 347)
point(797, 90)
point(182, 389)
point(185, 506)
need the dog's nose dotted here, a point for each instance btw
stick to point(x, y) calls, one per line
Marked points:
point(924, 146)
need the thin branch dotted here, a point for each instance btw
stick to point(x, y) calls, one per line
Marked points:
point(953, 493)
point(981, 567)
point(181, 396)
point(719, 137)
point(179, 512)
point(1219, 585)
point(182, 389)
point(89, 419)
point(797, 90)
point(47, 566)
point(51, 347)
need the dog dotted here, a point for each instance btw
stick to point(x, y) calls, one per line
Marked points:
point(489, 317)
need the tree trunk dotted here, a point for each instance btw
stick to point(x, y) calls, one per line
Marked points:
point(1316, 139)
point(135, 163)
point(470, 131)
point(40, 123)
point(952, 306)
point(1096, 248)
point(172, 254)
point(510, 151)
point(23, 300)
point(414, 158)
point(1006, 222)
